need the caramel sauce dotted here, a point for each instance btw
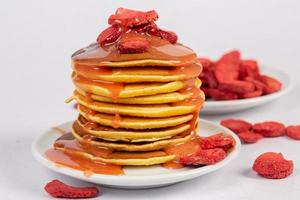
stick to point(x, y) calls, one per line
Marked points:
point(158, 49)
point(113, 87)
point(91, 125)
point(88, 97)
point(116, 121)
point(93, 72)
point(188, 71)
point(89, 167)
point(91, 112)
point(69, 157)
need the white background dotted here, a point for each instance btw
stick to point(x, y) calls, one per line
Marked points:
point(38, 37)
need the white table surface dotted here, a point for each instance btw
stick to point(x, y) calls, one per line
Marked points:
point(38, 37)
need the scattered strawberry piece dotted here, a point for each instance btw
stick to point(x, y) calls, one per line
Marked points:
point(293, 132)
point(249, 137)
point(130, 18)
point(237, 86)
point(273, 165)
point(134, 45)
point(58, 189)
point(271, 84)
point(204, 157)
point(227, 68)
point(269, 128)
point(109, 35)
point(236, 125)
point(219, 140)
point(220, 95)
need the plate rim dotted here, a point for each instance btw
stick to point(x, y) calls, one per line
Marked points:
point(180, 175)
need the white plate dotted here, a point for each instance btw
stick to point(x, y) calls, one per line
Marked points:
point(136, 177)
point(212, 107)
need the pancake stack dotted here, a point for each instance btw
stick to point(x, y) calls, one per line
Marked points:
point(137, 94)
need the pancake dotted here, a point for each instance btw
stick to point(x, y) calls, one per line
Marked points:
point(119, 90)
point(125, 146)
point(159, 53)
point(152, 99)
point(134, 122)
point(127, 135)
point(155, 110)
point(139, 74)
point(122, 161)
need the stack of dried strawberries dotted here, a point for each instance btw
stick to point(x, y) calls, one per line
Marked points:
point(232, 78)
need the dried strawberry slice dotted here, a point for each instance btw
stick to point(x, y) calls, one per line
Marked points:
point(248, 68)
point(167, 35)
point(271, 84)
point(130, 18)
point(133, 45)
point(204, 157)
point(236, 125)
point(256, 93)
point(273, 165)
point(237, 86)
point(269, 128)
point(249, 137)
point(227, 68)
point(109, 35)
point(59, 189)
point(220, 95)
point(219, 140)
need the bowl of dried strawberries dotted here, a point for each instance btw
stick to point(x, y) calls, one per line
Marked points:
point(232, 84)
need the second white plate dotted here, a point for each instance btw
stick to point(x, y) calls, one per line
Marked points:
point(136, 177)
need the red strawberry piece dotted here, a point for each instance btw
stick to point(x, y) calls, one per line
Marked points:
point(133, 45)
point(206, 63)
point(131, 18)
point(258, 85)
point(227, 68)
point(219, 140)
point(236, 125)
point(249, 137)
point(237, 86)
point(269, 129)
point(59, 189)
point(109, 35)
point(293, 132)
point(204, 157)
point(273, 165)
point(271, 84)
point(253, 94)
point(167, 35)
point(248, 68)
point(220, 95)
point(208, 78)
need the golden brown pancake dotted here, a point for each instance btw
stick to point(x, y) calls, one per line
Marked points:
point(125, 146)
point(127, 135)
point(135, 122)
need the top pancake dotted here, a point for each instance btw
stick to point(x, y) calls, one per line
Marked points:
point(159, 53)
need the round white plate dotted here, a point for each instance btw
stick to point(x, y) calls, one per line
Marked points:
point(212, 107)
point(136, 177)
